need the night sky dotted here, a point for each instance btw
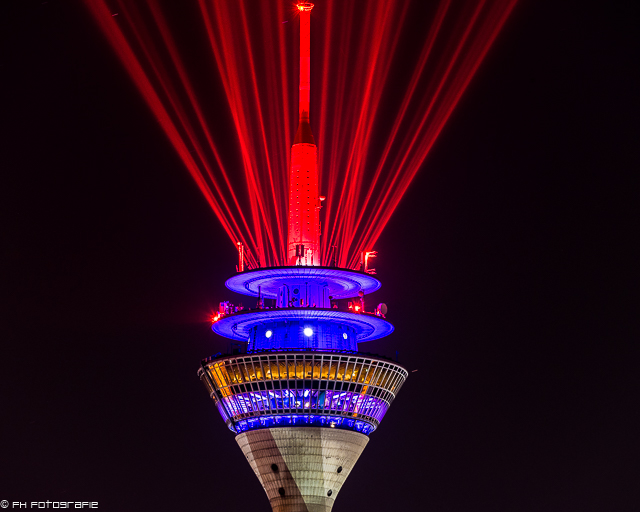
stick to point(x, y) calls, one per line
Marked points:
point(510, 270)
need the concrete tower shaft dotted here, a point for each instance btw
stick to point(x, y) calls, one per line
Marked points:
point(302, 469)
point(303, 241)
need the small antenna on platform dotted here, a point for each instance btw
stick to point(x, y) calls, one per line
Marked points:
point(367, 255)
point(260, 299)
point(333, 256)
point(299, 254)
point(240, 257)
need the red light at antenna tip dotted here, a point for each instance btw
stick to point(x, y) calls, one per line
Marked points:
point(304, 6)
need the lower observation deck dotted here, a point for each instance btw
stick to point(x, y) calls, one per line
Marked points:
point(256, 391)
point(239, 326)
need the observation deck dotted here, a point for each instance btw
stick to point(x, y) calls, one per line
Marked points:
point(305, 315)
point(266, 390)
point(302, 366)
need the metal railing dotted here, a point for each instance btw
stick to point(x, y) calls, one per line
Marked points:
point(293, 383)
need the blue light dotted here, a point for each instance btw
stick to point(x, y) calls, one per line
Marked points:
point(239, 326)
point(303, 420)
point(307, 334)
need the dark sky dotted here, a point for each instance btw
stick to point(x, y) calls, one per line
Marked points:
point(510, 271)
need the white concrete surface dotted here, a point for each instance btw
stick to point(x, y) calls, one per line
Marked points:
point(307, 458)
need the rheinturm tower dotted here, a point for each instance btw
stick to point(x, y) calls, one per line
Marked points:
point(301, 399)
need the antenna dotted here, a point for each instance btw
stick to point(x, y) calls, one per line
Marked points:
point(240, 256)
point(304, 200)
point(305, 59)
point(367, 256)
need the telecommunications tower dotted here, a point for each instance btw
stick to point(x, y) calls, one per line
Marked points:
point(301, 399)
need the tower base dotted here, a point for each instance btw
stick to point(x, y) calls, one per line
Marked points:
point(302, 469)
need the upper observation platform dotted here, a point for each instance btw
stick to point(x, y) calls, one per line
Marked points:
point(269, 282)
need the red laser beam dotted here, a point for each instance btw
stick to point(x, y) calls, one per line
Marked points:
point(387, 75)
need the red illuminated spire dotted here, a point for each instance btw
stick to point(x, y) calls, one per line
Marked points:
point(305, 61)
point(303, 244)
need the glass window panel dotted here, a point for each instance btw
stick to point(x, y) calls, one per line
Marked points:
point(237, 406)
point(370, 373)
point(335, 398)
point(326, 365)
point(275, 370)
point(357, 403)
point(231, 372)
point(254, 369)
point(363, 371)
point(394, 382)
point(384, 384)
point(255, 402)
point(292, 368)
point(357, 370)
point(300, 368)
point(283, 369)
point(392, 376)
point(247, 370)
point(263, 369)
point(225, 374)
point(244, 372)
point(346, 402)
point(217, 376)
point(349, 370)
point(381, 376)
point(365, 406)
point(265, 401)
point(375, 372)
point(387, 382)
point(314, 399)
point(334, 368)
point(352, 402)
point(317, 368)
point(322, 398)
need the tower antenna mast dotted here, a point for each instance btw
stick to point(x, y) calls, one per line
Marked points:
point(303, 241)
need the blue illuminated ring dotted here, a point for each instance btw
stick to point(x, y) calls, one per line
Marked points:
point(342, 283)
point(239, 325)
